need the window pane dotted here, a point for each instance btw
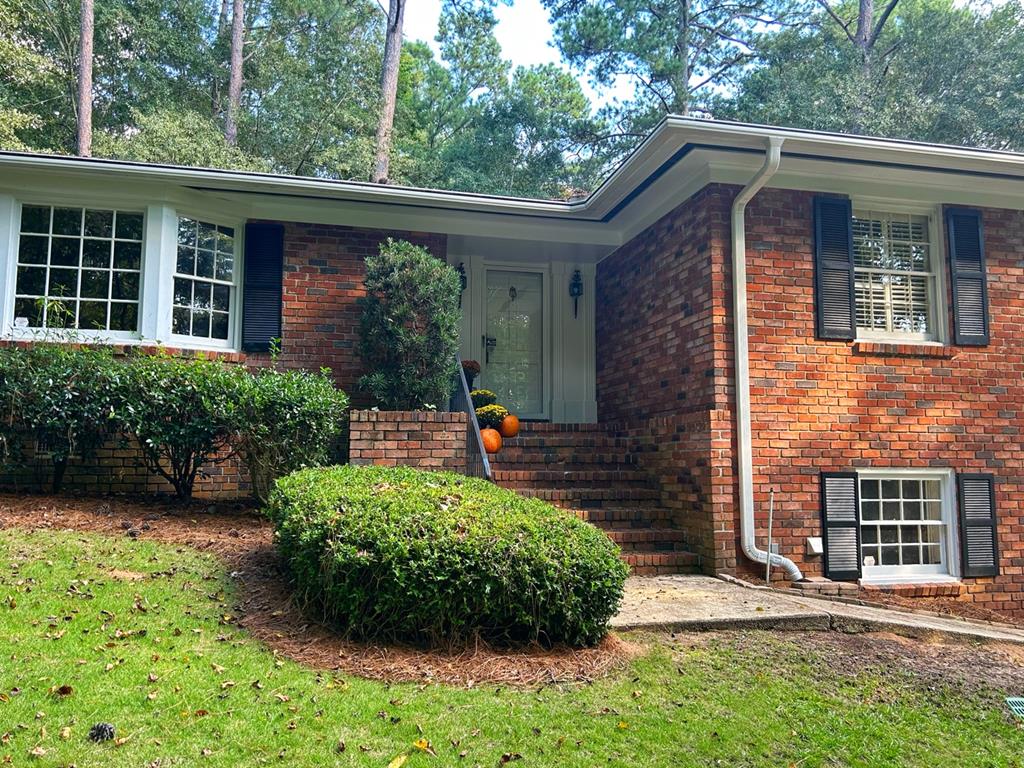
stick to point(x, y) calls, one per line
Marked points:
point(96, 285)
point(890, 489)
point(96, 253)
point(30, 310)
point(93, 314)
point(911, 555)
point(932, 489)
point(869, 489)
point(32, 250)
point(911, 489)
point(187, 232)
point(124, 316)
point(910, 534)
point(125, 285)
point(225, 240)
point(869, 534)
point(31, 281)
point(201, 324)
point(869, 510)
point(65, 251)
point(204, 263)
point(180, 323)
point(60, 314)
point(35, 218)
point(182, 291)
point(221, 297)
point(889, 534)
point(890, 510)
point(127, 255)
point(186, 260)
point(911, 510)
point(890, 556)
point(219, 325)
point(63, 282)
point(934, 510)
point(99, 223)
point(225, 266)
point(67, 221)
point(129, 226)
point(207, 236)
point(930, 555)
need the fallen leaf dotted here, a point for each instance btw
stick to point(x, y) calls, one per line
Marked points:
point(508, 757)
point(399, 761)
point(623, 724)
point(424, 745)
point(65, 733)
point(340, 746)
point(37, 752)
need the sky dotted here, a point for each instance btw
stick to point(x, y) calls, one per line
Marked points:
point(523, 32)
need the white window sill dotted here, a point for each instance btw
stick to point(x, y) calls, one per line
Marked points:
point(82, 337)
point(920, 578)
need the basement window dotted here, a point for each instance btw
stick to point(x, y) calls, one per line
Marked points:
point(895, 276)
point(906, 524)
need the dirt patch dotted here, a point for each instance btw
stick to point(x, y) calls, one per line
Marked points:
point(243, 540)
point(946, 606)
point(119, 575)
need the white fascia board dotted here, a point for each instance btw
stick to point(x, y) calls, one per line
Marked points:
point(924, 186)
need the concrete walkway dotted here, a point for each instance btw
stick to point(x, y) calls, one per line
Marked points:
point(700, 603)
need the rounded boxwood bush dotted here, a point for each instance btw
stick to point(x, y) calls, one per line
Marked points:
point(393, 552)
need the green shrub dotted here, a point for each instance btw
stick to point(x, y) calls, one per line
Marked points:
point(410, 327)
point(482, 398)
point(60, 396)
point(491, 415)
point(401, 553)
point(284, 421)
point(180, 411)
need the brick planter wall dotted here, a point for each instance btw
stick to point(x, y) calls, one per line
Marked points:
point(421, 439)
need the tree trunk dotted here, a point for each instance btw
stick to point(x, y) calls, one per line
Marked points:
point(682, 95)
point(865, 22)
point(85, 79)
point(389, 90)
point(235, 79)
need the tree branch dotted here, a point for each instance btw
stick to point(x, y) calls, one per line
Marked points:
point(881, 21)
point(845, 26)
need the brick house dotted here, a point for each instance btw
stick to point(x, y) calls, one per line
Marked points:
point(738, 314)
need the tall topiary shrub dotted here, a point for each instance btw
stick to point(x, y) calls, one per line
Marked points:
point(286, 420)
point(409, 328)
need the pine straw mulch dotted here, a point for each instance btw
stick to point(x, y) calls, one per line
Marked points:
point(243, 541)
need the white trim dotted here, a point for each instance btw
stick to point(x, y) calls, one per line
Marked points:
point(950, 566)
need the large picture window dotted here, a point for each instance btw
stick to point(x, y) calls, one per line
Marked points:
point(78, 268)
point(894, 275)
point(204, 280)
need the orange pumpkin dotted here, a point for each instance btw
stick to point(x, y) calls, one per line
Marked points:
point(509, 426)
point(492, 440)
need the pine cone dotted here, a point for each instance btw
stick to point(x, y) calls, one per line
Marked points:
point(101, 732)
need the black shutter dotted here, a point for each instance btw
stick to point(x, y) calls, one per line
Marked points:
point(979, 546)
point(833, 268)
point(967, 270)
point(264, 273)
point(840, 525)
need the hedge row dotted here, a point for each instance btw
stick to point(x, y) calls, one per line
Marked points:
point(183, 413)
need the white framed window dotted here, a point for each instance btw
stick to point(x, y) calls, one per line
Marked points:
point(79, 268)
point(897, 274)
point(907, 527)
point(205, 282)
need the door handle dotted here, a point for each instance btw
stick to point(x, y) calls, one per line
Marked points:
point(489, 343)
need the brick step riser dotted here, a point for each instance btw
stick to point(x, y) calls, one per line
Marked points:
point(666, 562)
point(590, 498)
point(633, 517)
point(608, 485)
point(625, 476)
point(580, 461)
point(547, 444)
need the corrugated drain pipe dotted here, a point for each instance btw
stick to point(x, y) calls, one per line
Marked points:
point(739, 316)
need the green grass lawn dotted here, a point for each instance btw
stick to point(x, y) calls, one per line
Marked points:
point(159, 658)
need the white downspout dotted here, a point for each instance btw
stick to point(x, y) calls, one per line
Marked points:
point(739, 317)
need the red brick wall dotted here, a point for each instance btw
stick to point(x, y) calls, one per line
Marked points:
point(655, 300)
point(324, 269)
point(821, 406)
point(422, 439)
point(665, 371)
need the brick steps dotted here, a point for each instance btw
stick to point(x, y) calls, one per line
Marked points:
point(589, 470)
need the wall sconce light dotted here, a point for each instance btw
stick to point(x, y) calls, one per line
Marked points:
point(461, 269)
point(575, 291)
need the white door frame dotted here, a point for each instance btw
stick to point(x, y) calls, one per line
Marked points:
point(478, 320)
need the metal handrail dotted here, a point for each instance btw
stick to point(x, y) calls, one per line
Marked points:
point(476, 457)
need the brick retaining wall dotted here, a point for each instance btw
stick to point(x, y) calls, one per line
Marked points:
point(422, 439)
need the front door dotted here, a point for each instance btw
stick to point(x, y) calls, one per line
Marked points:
point(514, 341)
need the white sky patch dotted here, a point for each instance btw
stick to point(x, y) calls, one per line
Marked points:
point(525, 36)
